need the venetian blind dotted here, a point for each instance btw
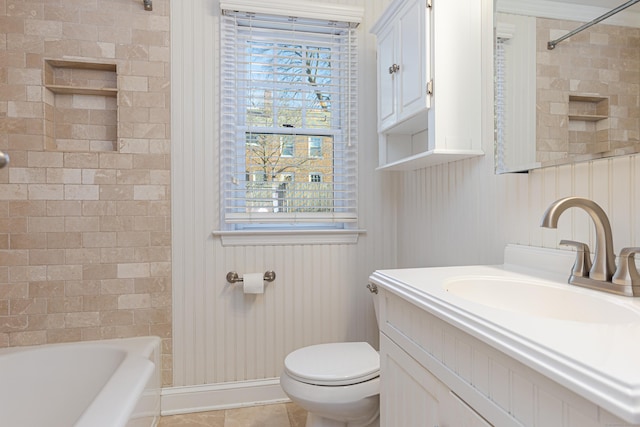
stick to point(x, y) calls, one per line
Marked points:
point(289, 120)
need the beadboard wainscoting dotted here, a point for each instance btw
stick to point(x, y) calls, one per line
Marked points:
point(223, 339)
point(462, 213)
point(455, 214)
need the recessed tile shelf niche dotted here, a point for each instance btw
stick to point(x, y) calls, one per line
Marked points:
point(81, 111)
point(588, 124)
point(588, 108)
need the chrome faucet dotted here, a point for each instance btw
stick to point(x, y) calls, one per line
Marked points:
point(601, 274)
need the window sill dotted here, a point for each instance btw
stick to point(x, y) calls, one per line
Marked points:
point(288, 237)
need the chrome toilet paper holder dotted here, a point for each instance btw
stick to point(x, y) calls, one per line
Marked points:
point(234, 277)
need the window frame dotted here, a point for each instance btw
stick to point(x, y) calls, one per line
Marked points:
point(336, 225)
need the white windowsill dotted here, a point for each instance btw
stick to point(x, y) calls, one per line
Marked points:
point(288, 237)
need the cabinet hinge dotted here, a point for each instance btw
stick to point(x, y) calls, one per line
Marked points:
point(429, 4)
point(430, 87)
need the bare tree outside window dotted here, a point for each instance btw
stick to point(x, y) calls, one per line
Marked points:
point(288, 110)
point(288, 101)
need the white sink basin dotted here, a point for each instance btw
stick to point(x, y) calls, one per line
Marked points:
point(541, 299)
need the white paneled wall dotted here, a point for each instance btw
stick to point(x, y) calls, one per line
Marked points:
point(446, 215)
point(463, 214)
point(219, 334)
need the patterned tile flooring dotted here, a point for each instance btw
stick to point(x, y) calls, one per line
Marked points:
point(280, 415)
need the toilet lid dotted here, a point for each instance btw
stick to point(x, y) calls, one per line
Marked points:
point(334, 364)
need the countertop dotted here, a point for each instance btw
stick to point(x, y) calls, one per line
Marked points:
point(600, 361)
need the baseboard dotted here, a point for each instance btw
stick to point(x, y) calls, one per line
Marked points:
point(211, 397)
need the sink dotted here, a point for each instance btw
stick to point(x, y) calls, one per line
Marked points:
point(541, 299)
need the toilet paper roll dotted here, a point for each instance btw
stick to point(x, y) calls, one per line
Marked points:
point(253, 283)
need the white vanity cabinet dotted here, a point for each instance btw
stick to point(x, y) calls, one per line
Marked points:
point(410, 395)
point(413, 396)
point(436, 374)
point(429, 82)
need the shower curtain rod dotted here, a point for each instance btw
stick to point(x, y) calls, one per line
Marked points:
point(552, 44)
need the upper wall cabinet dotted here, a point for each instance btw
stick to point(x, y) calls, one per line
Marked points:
point(403, 67)
point(429, 60)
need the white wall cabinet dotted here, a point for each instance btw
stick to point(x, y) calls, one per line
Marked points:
point(403, 67)
point(429, 78)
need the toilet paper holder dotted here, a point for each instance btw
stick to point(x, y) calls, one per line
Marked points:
point(233, 277)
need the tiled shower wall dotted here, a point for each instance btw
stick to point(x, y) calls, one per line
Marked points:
point(85, 245)
point(603, 62)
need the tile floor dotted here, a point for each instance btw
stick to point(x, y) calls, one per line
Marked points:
point(279, 415)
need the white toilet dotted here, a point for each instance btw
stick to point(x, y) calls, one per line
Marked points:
point(337, 383)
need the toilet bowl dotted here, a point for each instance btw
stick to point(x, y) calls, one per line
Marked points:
point(338, 384)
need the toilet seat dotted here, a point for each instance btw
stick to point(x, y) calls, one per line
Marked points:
point(334, 364)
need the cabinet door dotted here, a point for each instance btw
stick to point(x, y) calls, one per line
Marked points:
point(413, 52)
point(386, 78)
point(408, 392)
point(455, 412)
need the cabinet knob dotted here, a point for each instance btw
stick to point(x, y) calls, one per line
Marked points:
point(394, 68)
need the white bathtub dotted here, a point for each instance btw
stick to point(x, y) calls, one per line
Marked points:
point(111, 383)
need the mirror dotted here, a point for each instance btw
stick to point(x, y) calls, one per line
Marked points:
point(575, 102)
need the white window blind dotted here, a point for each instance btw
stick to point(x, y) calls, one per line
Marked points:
point(499, 107)
point(285, 82)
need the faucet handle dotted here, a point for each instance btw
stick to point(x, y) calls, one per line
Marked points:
point(583, 258)
point(627, 273)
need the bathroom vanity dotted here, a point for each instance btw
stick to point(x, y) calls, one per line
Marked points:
point(506, 345)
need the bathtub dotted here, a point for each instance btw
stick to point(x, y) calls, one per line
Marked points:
point(111, 383)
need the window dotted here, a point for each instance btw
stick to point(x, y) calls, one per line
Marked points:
point(499, 101)
point(288, 145)
point(289, 115)
point(515, 107)
point(315, 146)
point(315, 177)
point(259, 176)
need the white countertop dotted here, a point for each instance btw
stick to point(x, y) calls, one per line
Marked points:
point(599, 361)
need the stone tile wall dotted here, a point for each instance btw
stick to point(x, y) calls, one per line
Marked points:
point(602, 62)
point(85, 243)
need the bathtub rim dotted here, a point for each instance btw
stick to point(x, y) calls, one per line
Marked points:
point(144, 346)
point(142, 359)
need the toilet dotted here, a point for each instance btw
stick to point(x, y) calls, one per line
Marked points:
point(338, 384)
